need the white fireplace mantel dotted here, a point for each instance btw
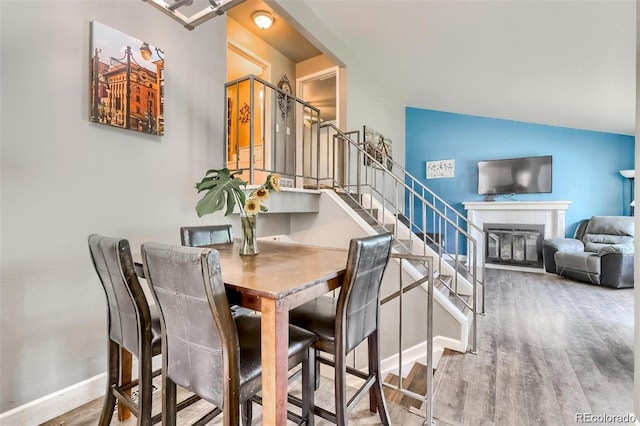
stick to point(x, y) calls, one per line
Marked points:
point(551, 214)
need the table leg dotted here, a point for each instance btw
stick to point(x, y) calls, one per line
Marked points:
point(275, 344)
point(126, 364)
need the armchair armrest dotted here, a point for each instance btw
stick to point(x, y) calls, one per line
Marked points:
point(564, 244)
point(553, 245)
point(616, 265)
point(616, 248)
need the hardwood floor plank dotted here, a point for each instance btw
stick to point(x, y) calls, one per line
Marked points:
point(548, 348)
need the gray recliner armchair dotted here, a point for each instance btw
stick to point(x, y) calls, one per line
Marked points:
point(601, 252)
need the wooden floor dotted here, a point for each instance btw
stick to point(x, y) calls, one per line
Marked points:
point(548, 348)
point(88, 414)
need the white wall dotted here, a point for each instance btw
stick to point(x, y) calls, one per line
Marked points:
point(280, 64)
point(64, 178)
point(369, 102)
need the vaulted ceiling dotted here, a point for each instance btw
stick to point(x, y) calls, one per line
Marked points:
point(564, 63)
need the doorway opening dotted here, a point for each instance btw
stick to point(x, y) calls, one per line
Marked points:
point(240, 63)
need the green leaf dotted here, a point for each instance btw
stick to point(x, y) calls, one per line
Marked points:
point(222, 189)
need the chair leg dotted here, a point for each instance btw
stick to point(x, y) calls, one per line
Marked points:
point(169, 401)
point(341, 387)
point(113, 375)
point(247, 412)
point(309, 373)
point(376, 394)
point(316, 354)
point(145, 386)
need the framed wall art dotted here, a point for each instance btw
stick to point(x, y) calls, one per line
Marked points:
point(440, 169)
point(127, 81)
point(377, 146)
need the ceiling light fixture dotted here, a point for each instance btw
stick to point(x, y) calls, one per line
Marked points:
point(262, 19)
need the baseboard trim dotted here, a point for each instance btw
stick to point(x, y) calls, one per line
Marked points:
point(51, 406)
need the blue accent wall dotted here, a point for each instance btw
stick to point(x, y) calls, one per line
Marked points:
point(586, 164)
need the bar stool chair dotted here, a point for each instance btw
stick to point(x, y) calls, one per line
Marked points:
point(343, 323)
point(205, 349)
point(131, 325)
point(199, 236)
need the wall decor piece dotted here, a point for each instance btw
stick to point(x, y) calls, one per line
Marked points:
point(284, 104)
point(127, 81)
point(440, 169)
point(245, 113)
point(377, 146)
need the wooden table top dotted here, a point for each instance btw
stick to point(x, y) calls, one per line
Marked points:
point(279, 269)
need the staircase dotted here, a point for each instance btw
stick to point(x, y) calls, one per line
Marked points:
point(432, 241)
point(443, 282)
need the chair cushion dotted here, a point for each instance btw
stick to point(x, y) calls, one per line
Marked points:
point(248, 327)
point(319, 317)
point(583, 266)
point(605, 230)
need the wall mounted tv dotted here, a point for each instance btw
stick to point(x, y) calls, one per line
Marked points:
point(530, 175)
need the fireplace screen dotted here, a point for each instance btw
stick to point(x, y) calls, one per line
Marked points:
point(518, 245)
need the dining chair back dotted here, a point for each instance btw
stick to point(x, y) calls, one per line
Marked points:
point(205, 349)
point(131, 325)
point(200, 236)
point(359, 298)
point(343, 323)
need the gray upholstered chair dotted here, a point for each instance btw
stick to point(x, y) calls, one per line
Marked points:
point(205, 349)
point(131, 324)
point(343, 323)
point(601, 252)
point(200, 236)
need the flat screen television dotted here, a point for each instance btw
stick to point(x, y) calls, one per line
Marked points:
point(530, 175)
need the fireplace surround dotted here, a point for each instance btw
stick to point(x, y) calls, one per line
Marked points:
point(514, 244)
point(550, 214)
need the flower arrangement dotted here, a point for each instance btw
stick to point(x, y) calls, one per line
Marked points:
point(224, 187)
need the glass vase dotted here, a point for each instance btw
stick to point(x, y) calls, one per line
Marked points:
point(249, 242)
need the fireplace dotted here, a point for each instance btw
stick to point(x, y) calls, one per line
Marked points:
point(514, 244)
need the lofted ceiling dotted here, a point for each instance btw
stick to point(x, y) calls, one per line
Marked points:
point(281, 36)
point(567, 63)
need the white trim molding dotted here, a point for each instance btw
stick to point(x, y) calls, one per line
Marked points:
point(551, 214)
point(51, 406)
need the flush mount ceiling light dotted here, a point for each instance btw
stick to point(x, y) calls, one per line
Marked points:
point(215, 8)
point(262, 19)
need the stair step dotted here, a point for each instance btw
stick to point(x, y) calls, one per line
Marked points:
point(416, 381)
point(382, 229)
point(448, 279)
point(370, 216)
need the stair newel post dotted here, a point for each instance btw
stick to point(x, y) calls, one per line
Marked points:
point(424, 230)
point(318, 156)
point(400, 326)
point(429, 396)
point(358, 171)
point(251, 132)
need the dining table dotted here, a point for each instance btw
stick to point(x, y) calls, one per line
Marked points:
point(281, 277)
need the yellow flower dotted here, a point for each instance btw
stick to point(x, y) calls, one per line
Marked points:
point(252, 206)
point(274, 179)
point(262, 194)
